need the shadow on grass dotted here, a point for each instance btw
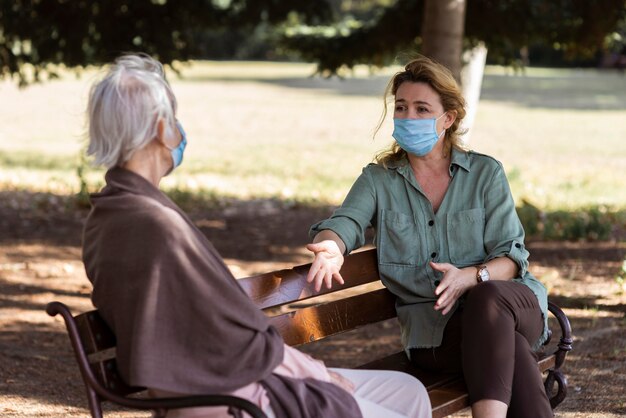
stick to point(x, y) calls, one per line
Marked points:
point(567, 89)
point(18, 295)
point(274, 229)
point(27, 216)
point(248, 230)
point(559, 254)
point(587, 303)
point(583, 90)
point(373, 86)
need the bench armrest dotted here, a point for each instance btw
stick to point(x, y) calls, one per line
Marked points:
point(161, 405)
point(565, 342)
point(97, 391)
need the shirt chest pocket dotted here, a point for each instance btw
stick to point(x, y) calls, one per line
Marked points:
point(397, 239)
point(465, 232)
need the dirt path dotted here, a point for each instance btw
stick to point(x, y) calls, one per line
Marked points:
point(40, 262)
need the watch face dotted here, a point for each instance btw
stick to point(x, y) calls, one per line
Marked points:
point(483, 274)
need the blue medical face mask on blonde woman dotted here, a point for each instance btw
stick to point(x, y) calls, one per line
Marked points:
point(417, 136)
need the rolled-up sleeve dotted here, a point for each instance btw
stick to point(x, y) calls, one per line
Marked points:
point(504, 234)
point(355, 214)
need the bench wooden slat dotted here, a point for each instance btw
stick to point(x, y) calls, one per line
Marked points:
point(99, 343)
point(282, 287)
point(447, 392)
point(94, 332)
point(400, 362)
point(316, 322)
point(546, 361)
point(449, 398)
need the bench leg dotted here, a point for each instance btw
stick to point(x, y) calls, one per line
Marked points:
point(95, 404)
point(555, 376)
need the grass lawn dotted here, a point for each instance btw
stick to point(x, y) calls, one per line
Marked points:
point(270, 130)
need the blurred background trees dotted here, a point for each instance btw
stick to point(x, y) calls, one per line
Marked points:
point(563, 32)
point(37, 35)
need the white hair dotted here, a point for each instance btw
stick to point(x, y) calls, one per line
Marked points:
point(125, 107)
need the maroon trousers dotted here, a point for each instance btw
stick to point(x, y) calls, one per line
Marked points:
point(489, 340)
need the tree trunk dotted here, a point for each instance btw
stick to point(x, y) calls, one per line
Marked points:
point(442, 33)
point(471, 83)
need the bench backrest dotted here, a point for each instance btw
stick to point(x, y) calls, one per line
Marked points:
point(99, 343)
point(303, 316)
point(94, 347)
point(278, 288)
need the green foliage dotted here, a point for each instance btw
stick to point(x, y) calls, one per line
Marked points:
point(37, 36)
point(579, 28)
point(616, 41)
point(238, 43)
point(375, 40)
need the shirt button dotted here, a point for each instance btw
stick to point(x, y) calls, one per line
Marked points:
point(433, 255)
point(518, 245)
point(437, 282)
point(431, 223)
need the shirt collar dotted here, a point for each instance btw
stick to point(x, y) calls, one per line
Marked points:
point(459, 158)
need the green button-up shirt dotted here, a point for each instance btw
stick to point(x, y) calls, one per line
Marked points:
point(475, 223)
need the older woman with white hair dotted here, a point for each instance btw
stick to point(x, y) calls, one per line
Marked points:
point(183, 324)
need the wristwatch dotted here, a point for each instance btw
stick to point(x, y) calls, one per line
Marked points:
point(482, 274)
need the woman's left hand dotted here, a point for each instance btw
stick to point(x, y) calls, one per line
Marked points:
point(453, 284)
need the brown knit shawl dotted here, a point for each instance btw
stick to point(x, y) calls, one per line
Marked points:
point(182, 322)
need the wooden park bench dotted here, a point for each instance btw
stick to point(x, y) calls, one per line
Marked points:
point(302, 316)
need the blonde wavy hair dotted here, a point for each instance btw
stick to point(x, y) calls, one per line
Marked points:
point(440, 79)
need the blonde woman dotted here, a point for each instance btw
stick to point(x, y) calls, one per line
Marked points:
point(450, 247)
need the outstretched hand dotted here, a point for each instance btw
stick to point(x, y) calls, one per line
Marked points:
point(326, 265)
point(453, 285)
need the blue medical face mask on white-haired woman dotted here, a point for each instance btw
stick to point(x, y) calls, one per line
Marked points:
point(177, 153)
point(417, 136)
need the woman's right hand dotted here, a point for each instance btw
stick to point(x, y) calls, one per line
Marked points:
point(326, 265)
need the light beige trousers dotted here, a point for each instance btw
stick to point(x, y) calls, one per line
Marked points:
point(379, 394)
point(388, 394)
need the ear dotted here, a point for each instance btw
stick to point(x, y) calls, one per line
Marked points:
point(450, 118)
point(161, 131)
